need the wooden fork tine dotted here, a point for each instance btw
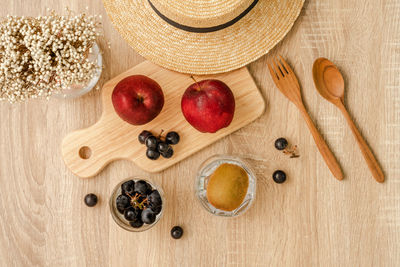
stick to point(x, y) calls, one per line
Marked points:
point(281, 68)
point(277, 70)
point(273, 74)
point(287, 67)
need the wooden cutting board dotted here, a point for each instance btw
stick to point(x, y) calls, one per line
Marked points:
point(86, 152)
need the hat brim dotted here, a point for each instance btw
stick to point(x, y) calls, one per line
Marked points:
point(203, 53)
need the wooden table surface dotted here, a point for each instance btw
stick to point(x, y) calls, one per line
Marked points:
point(311, 220)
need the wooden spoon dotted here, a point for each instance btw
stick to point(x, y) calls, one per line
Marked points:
point(286, 81)
point(330, 84)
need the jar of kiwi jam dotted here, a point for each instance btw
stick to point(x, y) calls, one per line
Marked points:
point(225, 185)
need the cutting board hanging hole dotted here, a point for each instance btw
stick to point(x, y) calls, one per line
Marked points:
point(85, 152)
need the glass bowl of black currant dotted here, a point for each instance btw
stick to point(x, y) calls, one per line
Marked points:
point(136, 204)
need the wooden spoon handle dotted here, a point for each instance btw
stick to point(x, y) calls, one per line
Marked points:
point(326, 153)
point(373, 164)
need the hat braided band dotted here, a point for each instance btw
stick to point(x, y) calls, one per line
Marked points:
point(205, 29)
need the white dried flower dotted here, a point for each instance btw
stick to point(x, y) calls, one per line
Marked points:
point(40, 56)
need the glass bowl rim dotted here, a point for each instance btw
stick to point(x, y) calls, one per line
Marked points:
point(92, 82)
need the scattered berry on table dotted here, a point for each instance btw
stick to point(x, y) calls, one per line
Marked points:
point(91, 200)
point(172, 138)
point(281, 143)
point(176, 232)
point(279, 176)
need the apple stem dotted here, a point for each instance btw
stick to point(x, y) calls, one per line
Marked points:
point(140, 98)
point(191, 76)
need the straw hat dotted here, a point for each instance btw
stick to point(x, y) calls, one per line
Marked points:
point(203, 36)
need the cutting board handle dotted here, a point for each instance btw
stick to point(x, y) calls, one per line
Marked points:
point(87, 151)
point(83, 152)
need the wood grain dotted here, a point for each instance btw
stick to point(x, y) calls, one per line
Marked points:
point(111, 138)
point(310, 220)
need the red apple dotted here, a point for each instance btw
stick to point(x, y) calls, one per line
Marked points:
point(137, 99)
point(208, 105)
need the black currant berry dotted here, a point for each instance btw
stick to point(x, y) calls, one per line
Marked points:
point(279, 176)
point(90, 200)
point(152, 154)
point(172, 138)
point(281, 143)
point(167, 154)
point(151, 142)
point(176, 232)
point(143, 136)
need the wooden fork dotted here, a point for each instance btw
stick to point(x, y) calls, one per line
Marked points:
point(287, 83)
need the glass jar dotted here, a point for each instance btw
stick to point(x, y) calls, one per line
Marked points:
point(78, 90)
point(119, 218)
point(207, 168)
